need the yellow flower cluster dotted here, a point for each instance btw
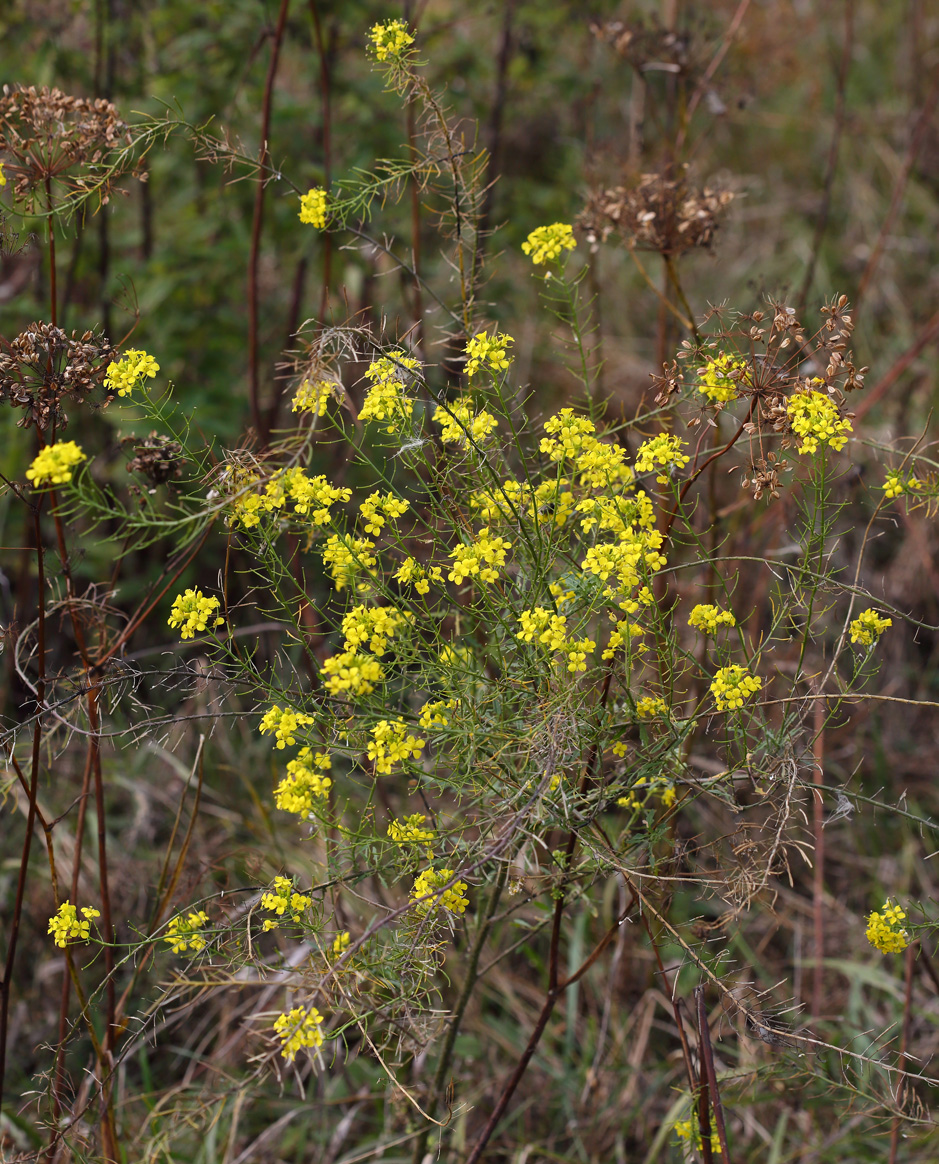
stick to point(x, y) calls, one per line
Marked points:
point(53, 465)
point(313, 207)
point(434, 713)
point(664, 451)
point(550, 630)
point(720, 377)
point(452, 898)
point(283, 899)
point(375, 626)
point(348, 558)
point(619, 514)
point(387, 399)
point(411, 572)
point(459, 425)
point(126, 373)
point(65, 926)
point(298, 1028)
point(376, 510)
point(409, 830)
point(341, 944)
point(284, 724)
point(885, 931)
point(814, 419)
point(894, 484)
point(304, 783)
point(390, 743)
point(549, 503)
point(484, 350)
point(649, 706)
point(389, 39)
point(622, 638)
point(643, 789)
point(3, 177)
point(312, 497)
point(732, 685)
point(352, 673)
point(868, 627)
point(688, 1130)
point(192, 611)
point(567, 435)
point(545, 243)
point(708, 618)
point(624, 560)
point(184, 933)
point(313, 396)
point(468, 560)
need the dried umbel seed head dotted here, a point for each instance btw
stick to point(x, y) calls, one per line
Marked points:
point(48, 136)
point(157, 457)
point(660, 214)
point(43, 365)
point(665, 50)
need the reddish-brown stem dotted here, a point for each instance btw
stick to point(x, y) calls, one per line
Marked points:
point(890, 377)
point(676, 1011)
point(14, 928)
point(899, 188)
point(821, 223)
point(818, 872)
point(708, 75)
point(911, 957)
point(257, 222)
point(53, 294)
point(710, 1073)
point(326, 96)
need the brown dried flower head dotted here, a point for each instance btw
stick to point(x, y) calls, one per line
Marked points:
point(158, 458)
point(47, 136)
point(44, 365)
point(647, 49)
point(662, 214)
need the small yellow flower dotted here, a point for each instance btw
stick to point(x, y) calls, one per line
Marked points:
point(409, 830)
point(884, 930)
point(283, 724)
point(452, 899)
point(389, 39)
point(192, 611)
point(313, 396)
point(284, 899)
point(3, 177)
point(720, 377)
point(341, 944)
point(65, 926)
point(391, 743)
point(663, 450)
point(814, 418)
point(184, 933)
point(484, 350)
point(305, 782)
point(868, 627)
point(650, 706)
point(732, 685)
point(53, 465)
point(132, 368)
point(313, 207)
point(298, 1028)
point(545, 243)
point(709, 618)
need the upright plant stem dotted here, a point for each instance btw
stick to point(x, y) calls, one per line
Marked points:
point(257, 222)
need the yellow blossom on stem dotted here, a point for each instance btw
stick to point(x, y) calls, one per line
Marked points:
point(481, 559)
point(133, 367)
point(192, 611)
point(649, 706)
point(709, 618)
point(184, 933)
point(434, 713)
point(313, 396)
point(341, 944)
point(460, 425)
point(487, 351)
point(688, 1130)
point(884, 929)
point(391, 743)
point(53, 465)
point(412, 573)
point(720, 377)
point(350, 673)
point(452, 899)
point(868, 627)
point(387, 398)
point(348, 558)
point(313, 207)
point(545, 243)
point(374, 626)
point(283, 899)
point(664, 451)
point(66, 927)
point(298, 1028)
point(376, 510)
point(732, 685)
point(305, 782)
point(3, 177)
point(283, 724)
point(389, 39)
point(409, 830)
point(814, 418)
